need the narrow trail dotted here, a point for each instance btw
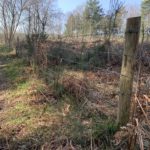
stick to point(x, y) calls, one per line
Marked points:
point(3, 81)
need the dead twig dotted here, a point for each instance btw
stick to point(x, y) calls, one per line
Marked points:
point(147, 98)
point(136, 98)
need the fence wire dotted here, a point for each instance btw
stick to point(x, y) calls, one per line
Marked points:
point(108, 71)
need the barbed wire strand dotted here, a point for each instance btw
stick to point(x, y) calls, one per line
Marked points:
point(85, 83)
point(98, 68)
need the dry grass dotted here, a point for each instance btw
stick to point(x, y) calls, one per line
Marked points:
point(35, 116)
point(74, 110)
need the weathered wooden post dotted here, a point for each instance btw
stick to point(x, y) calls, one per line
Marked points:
point(127, 72)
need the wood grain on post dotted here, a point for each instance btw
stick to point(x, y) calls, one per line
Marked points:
point(127, 72)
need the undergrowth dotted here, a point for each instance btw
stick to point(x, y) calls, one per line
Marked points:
point(95, 57)
point(40, 113)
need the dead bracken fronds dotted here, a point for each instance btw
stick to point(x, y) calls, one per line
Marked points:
point(77, 87)
point(136, 133)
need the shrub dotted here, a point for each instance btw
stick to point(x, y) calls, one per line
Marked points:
point(5, 48)
point(34, 38)
point(104, 132)
point(58, 55)
point(97, 57)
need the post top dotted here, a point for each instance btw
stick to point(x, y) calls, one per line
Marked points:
point(135, 17)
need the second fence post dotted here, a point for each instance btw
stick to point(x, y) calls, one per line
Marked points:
point(127, 72)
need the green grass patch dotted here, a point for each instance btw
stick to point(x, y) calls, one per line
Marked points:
point(14, 69)
point(4, 48)
point(21, 113)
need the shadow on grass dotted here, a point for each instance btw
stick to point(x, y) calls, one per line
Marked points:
point(61, 136)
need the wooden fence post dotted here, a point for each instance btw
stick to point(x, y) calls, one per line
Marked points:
point(127, 72)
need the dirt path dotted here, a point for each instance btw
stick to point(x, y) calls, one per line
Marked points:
point(3, 81)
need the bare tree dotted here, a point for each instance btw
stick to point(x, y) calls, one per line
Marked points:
point(11, 13)
point(39, 17)
point(115, 9)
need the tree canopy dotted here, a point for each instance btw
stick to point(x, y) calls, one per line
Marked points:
point(86, 22)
